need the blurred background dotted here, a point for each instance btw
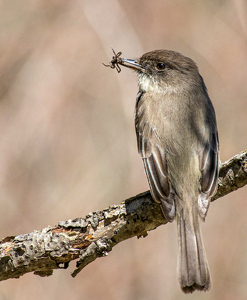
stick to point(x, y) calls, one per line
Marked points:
point(68, 144)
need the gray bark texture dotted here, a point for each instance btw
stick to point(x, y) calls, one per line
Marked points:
point(86, 239)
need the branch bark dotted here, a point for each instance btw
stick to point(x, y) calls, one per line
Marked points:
point(86, 239)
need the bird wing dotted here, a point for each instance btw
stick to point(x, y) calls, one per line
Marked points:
point(155, 163)
point(209, 174)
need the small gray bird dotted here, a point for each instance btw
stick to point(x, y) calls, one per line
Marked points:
point(178, 141)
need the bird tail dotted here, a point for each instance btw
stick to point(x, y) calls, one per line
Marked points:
point(193, 268)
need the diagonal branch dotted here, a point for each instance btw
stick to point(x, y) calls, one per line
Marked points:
point(94, 236)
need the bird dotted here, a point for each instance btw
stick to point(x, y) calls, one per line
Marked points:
point(177, 138)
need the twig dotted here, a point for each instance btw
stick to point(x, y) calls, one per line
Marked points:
point(95, 235)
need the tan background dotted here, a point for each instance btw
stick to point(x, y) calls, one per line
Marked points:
point(68, 145)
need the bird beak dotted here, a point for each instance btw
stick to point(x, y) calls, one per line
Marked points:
point(130, 63)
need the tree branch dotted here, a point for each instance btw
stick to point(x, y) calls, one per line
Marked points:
point(95, 235)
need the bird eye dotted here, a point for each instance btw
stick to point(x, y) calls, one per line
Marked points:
point(160, 66)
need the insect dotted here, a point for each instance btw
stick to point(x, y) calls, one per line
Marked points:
point(116, 60)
